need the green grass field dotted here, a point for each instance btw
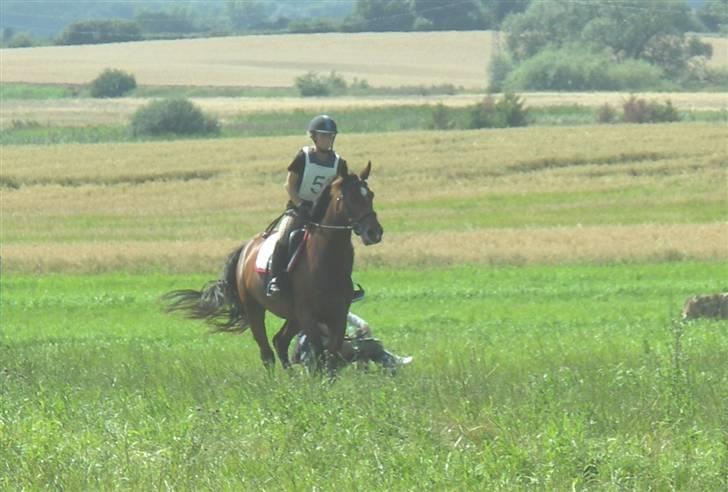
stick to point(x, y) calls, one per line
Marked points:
point(546, 377)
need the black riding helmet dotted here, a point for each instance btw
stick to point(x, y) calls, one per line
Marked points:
point(322, 124)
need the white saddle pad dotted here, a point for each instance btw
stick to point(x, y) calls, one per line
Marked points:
point(265, 252)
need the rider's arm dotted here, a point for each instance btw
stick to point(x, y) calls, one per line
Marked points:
point(293, 180)
point(362, 327)
point(292, 188)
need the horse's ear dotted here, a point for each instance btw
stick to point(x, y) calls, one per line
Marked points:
point(365, 173)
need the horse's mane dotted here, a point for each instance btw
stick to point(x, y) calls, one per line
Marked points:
point(324, 199)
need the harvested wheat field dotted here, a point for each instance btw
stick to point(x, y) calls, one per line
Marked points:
point(382, 59)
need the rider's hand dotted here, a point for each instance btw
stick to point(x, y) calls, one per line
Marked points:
point(304, 210)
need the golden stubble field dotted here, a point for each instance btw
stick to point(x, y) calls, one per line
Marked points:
point(383, 59)
point(518, 196)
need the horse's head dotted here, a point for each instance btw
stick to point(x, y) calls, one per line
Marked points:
point(358, 205)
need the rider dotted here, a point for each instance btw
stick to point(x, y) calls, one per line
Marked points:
point(309, 173)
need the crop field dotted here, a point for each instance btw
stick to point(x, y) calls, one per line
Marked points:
point(591, 193)
point(383, 59)
point(536, 275)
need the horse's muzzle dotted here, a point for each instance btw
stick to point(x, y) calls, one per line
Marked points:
point(370, 235)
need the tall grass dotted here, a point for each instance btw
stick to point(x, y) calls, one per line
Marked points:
point(524, 377)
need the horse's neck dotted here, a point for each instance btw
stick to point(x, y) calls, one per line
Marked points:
point(333, 246)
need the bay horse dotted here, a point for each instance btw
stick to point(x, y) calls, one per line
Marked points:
point(320, 286)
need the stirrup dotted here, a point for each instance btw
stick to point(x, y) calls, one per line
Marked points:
point(273, 289)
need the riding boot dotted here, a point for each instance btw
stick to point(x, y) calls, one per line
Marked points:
point(277, 259)
point(389, 360)
point(280, 255)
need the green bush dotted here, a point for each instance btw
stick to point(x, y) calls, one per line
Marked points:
point(21, 40)
point(575, 69)
point(636, 75)
point(702, 77)
point(506, 112)
point(112, 83)
point(172, 117)
point(312, 84)
point(606, 114)
point(441, 118)
point(637, 110)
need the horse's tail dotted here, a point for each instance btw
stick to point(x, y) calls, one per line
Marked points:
point(218, 303)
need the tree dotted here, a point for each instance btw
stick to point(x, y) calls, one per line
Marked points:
point(100, 31)
point(384, 15)
point(627, 27)
point(442, 15)
point(497, 10)
point(651, 30)
point(176, 21)
point(546, 23)
point(246, 14)
point(8, 33)
point(714, 15)
point(21, 40)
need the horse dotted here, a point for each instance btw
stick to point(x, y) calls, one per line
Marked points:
point(320, 288)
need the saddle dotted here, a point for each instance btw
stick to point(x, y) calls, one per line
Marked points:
point(296, 241)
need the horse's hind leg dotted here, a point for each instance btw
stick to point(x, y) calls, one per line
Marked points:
point(282, 340)
point(256, 316)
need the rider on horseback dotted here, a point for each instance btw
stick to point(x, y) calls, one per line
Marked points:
point(310, 172)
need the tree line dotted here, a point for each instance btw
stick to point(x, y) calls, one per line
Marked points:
point(549, 44)
point(596, 45)
point(275, 16)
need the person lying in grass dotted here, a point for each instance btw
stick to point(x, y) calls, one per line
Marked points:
point(359, 346)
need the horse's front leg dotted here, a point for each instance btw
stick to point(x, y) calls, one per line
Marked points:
point(311, 328)
point(337, 331)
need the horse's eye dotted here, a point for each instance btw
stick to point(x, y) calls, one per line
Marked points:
point(364, 191)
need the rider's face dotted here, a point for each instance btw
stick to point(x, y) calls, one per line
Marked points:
point(324, 141)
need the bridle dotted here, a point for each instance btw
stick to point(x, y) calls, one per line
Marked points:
point(354, 225)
